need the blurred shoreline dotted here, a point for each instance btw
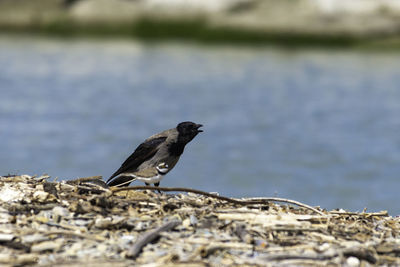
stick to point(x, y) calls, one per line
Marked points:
point(359, 23)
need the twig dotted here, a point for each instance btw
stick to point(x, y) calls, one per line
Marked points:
point(96, 238)
point(95, 189)
point(84, 179)
point(18, 208)
point(260, 200)
point(284, 256)
point(175, 189)
point(380, 213)
point(250, 201)
point(148, 237)
point(42, 177)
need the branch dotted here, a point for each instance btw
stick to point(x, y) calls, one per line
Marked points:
point(148, 237)
point(249, 201)
point(260, 200)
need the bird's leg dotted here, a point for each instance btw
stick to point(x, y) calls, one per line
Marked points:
point(147, 184)
point(157, 184)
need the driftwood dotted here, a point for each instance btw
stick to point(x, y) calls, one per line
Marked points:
point(150, 236)
point(81, 223)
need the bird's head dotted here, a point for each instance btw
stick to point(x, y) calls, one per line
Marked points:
point(188, 130)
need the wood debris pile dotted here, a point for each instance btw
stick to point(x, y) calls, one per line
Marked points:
point(76, 222)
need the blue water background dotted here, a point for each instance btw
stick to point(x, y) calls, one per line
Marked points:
point(318, 126)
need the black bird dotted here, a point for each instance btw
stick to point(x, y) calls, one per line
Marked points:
point(156, 156)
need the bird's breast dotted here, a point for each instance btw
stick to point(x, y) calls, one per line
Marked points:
point(147, 173)
point(176, 149)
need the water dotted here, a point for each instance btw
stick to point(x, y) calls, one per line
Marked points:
point(320, 127)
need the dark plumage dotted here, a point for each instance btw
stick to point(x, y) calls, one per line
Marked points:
point(163, 148)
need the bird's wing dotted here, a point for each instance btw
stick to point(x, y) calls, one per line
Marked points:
point(143, 152)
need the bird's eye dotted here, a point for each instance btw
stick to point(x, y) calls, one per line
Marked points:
point(163, 165)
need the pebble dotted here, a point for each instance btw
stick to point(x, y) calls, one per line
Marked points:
point(60, 211)
point(6, 237)
point(353, 262)
point(40, 196)
point(193, 220)
point(103, 223)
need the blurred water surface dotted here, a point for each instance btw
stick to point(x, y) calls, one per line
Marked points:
point(321, 127)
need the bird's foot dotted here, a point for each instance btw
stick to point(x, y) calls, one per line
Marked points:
point(157, 185)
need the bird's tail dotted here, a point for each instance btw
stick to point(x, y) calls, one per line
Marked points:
point(121, 181)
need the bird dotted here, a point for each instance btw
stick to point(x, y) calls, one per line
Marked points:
point(151, 175)
point(156, 156)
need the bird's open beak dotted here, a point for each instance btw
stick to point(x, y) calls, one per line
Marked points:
point(198, 126)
